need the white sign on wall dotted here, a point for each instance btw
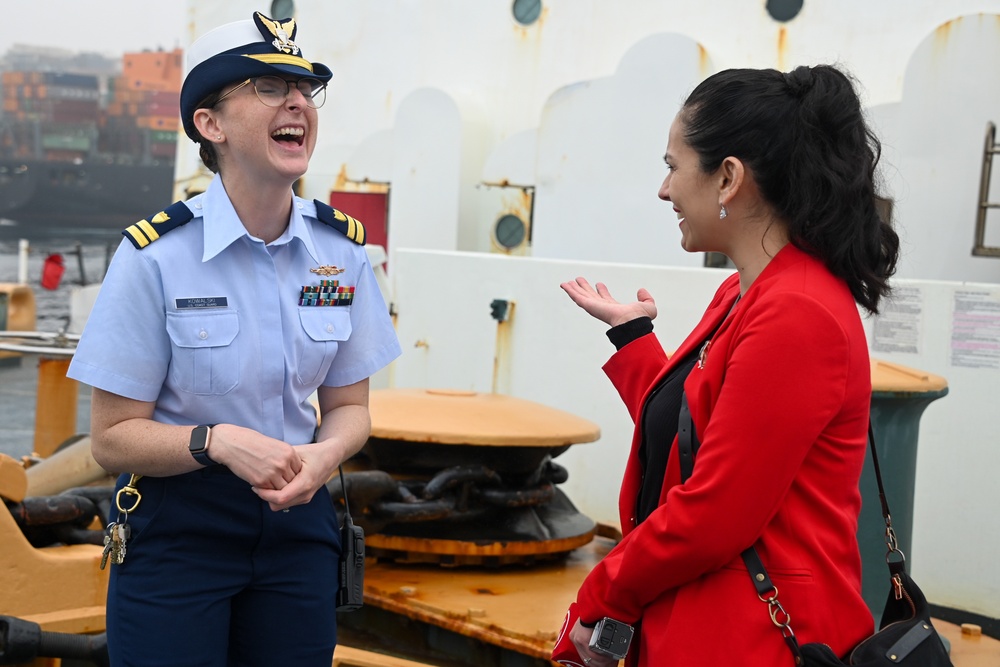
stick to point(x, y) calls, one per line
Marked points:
point(975, 329)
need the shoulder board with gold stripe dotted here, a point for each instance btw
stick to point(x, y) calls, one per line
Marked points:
point(144, 232)
point(342, 222)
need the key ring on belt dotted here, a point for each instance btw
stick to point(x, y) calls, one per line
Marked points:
point(129, 490)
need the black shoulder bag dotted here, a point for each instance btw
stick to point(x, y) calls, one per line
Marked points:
point(905, 636)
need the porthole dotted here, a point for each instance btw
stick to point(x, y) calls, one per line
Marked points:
point(282, 9)
point(509, 231)
point(784, 10)
point(526, 12)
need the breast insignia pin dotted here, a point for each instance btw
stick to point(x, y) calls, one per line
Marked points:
point(327, 270)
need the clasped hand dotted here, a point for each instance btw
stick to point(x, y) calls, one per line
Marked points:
point(279, 473)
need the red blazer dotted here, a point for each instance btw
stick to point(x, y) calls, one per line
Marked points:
point(781, 408)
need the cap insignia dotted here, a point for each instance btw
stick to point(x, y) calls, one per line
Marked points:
point(283, 33)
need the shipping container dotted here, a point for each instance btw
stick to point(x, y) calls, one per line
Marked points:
point(161, 136)
point(163, 151)
point(65, 142)
point(71, 80)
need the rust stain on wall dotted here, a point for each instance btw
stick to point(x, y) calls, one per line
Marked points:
point(942, 34)
point(526, 198)
point(946, 33)
point(782, 47)
point(703, 62)
point(525, 31)
point(341, 181)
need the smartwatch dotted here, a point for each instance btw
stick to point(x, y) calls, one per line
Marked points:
point(201, 436)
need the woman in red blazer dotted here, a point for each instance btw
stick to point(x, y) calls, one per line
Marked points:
point(777, 172)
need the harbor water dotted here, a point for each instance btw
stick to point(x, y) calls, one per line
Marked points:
point(85, 259)
point(86, 255)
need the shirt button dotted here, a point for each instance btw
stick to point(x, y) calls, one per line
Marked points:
point(329, 328)
point(203, 334)
point(198, 205)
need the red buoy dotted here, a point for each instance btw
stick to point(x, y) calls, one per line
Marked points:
point(52, 271)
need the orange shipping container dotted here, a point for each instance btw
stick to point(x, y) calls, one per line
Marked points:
point(160, 109)
point(163, 123)
point(154, 70)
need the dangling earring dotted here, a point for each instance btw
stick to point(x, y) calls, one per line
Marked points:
point(723, 213)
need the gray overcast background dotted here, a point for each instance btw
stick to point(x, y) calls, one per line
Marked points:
point(111, 27)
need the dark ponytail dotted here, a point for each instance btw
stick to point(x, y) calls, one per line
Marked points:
point(804, 137)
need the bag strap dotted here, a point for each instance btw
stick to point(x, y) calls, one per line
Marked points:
point(688, 445)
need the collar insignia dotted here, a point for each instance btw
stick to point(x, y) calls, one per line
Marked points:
point(283, 33)
point(327, 270)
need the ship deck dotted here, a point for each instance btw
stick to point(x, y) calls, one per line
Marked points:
point(511, 612)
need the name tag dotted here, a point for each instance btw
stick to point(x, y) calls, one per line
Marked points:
point(202, 302)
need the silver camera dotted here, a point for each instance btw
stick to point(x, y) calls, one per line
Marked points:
point(611, 638)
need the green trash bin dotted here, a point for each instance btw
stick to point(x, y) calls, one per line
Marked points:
point(899, 396)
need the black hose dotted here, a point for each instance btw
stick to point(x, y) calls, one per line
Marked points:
point(22, 641)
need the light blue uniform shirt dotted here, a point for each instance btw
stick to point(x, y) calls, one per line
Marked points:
point(206, 322)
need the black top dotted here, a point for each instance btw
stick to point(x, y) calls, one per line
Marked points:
point(658, 421)
point(659, 428)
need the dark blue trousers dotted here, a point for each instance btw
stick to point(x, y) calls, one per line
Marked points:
point(213, 578)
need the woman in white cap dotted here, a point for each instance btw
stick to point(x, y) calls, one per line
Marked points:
point(218, 319)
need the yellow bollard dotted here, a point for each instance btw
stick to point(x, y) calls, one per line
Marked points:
point(55, 408)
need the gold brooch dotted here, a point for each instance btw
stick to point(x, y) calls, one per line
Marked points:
point(326, 270)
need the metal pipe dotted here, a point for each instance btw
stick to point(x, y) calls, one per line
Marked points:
point(503, 313)
point(22, 261)
point(79, 263)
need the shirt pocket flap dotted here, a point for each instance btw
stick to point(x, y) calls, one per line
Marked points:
point(207, 329)
point(326, 323)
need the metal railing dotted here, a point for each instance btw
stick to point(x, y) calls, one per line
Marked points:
point(980, 249)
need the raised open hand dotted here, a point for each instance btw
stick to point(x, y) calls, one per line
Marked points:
point(600, 304)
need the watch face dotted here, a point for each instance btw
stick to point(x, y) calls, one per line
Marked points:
point(199, 439)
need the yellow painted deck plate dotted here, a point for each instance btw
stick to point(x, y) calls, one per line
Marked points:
point(522, 609)
point(887, 376)
point(517, 608)
point(470, 418)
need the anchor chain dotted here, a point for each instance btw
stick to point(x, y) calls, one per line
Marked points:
point(458, 493)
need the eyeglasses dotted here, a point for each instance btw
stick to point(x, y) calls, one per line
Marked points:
point(273, 90)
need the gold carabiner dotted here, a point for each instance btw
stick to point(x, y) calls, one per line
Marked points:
point(129, 490)
point(775, 609)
